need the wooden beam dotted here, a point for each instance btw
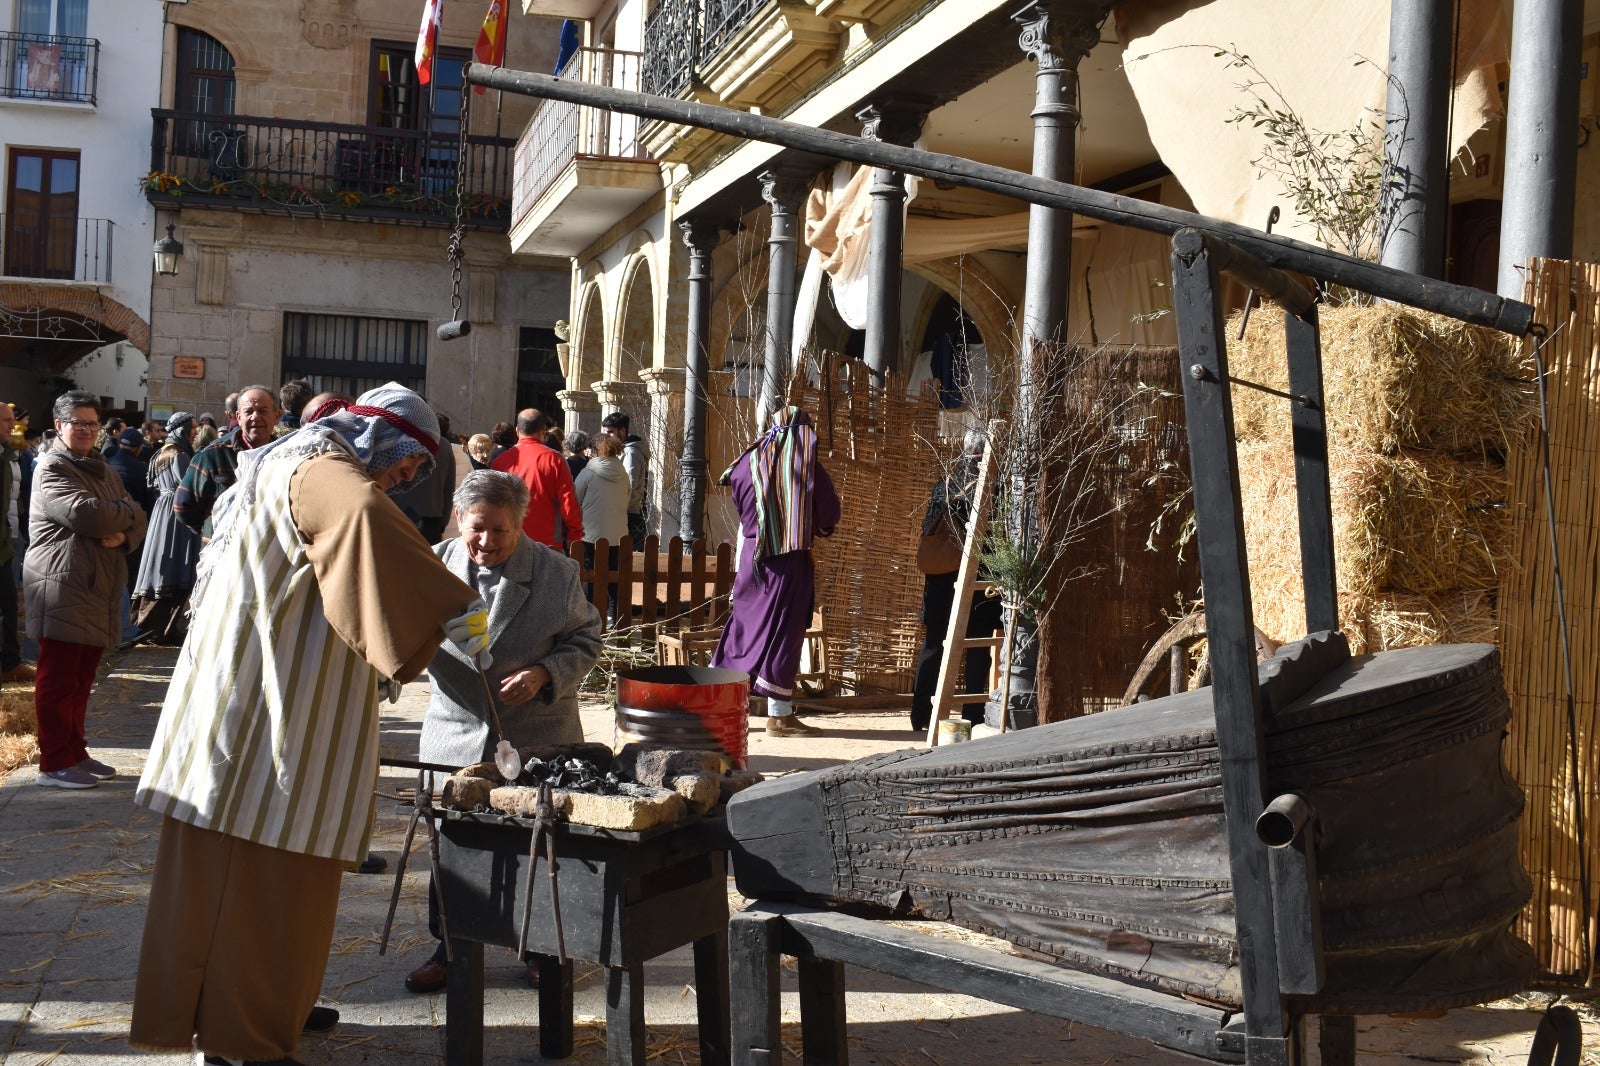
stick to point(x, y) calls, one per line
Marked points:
point(1429, 294)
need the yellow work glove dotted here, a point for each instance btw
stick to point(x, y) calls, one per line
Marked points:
point(469, 631)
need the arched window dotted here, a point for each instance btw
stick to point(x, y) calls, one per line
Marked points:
point(204, 86)
point(205, 74)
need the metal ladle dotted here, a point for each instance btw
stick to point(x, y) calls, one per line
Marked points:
point(506, 759)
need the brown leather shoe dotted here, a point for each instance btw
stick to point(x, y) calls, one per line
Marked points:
point(790, 725)
point(427, 978)
point(20, 672)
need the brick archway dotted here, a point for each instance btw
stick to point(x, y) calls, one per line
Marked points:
point(112, 319)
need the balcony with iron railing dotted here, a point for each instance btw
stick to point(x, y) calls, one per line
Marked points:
point(44, 67)
point(327, 169)
point(68, 249)
point(744, 53)
point(580, 169)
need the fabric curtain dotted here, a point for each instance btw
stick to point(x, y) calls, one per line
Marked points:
point(1311, 52)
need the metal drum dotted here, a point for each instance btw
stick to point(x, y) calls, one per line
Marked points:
point(685, 707)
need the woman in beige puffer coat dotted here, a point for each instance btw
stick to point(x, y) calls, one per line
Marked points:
point(82, 526)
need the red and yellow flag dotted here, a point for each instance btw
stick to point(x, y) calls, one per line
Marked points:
point(491, 47)
point(428, 39)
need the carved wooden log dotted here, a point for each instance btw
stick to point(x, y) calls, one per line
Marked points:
point(1100, 841)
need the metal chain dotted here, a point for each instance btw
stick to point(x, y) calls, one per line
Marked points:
point(456, 252)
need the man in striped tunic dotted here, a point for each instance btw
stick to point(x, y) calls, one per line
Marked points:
point(313, 588)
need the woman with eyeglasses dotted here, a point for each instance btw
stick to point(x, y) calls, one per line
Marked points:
point(82, 525)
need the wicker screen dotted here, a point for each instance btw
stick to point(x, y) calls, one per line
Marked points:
point(1110, 595)
point(877, 446)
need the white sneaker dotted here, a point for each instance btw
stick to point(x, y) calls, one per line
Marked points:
point(71, 777)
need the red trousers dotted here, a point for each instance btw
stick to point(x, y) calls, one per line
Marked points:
point(61, 699)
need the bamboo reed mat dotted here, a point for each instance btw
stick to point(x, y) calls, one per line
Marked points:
point(1567, 299)
point(878, 447)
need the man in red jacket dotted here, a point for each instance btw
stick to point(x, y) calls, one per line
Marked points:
point(551, 501)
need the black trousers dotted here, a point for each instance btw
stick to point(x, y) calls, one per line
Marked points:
point(938, 599)
point(10, 642)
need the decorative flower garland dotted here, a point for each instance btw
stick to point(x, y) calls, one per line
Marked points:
point(303, 194)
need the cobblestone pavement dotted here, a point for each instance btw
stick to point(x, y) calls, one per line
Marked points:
point(75, 870)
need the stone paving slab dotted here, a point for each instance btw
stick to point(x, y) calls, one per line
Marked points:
point(75, 870)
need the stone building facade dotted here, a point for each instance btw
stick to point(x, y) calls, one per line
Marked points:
point(312, 180)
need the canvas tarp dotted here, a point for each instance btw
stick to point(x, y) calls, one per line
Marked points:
point(1310, 52)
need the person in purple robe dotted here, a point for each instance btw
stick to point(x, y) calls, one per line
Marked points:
point(785, 498)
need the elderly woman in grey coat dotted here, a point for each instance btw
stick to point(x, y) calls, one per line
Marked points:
point(543, 637)
point(82, 526)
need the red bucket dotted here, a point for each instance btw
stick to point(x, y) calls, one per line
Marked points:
point(685, 707)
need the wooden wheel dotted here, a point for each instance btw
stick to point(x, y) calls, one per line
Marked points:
point(1169, 658)
point(1170, 653)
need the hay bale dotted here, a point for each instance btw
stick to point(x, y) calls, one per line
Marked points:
point(1415, 522)
point(1392, 378)
point(1384, 621)
point(16, 750)
point(16, 710)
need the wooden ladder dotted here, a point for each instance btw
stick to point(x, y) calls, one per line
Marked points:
point(952, 671)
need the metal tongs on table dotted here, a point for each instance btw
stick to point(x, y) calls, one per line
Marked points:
point(544, 814)
point(421, 807)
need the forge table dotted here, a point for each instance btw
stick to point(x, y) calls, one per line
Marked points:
point(626, 897)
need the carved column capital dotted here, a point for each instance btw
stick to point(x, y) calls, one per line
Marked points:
point(895, 119)
point(1053, 40)
point(700, 234)
point(785, 190)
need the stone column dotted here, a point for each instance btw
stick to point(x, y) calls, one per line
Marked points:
point(582, 409)
point(1057, 44)
point(1541, 137)
point(1415, 138)
point(630, 397)
point(786, 192)
point(895, 120)
point(701, 237)
point(664, 387)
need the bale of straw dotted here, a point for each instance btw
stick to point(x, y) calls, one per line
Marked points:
point(1417, 522)
point(1384, 621)
point(16, 710)
point(1390, 620)
point(16, 750)
point(1392, 378)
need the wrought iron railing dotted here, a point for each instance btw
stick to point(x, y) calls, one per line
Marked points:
point(40, 66)
point(326, 168)
point(67, 249)
point(684, 35)
point(723, 19)
point(561, 131)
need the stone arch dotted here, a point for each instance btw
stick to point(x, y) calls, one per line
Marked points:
point(979, 292)
point(635, 332)
point(107, 320)
point(588, 351)
point(739, 296)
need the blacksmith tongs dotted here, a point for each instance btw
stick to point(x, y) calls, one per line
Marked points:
point(544, 816)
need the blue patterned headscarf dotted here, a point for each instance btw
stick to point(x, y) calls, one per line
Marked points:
point(384, 426)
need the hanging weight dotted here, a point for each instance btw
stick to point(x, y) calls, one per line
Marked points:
point(454, 330)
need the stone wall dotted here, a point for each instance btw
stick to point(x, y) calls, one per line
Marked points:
point(227, 305)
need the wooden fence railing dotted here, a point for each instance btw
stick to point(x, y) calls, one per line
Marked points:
point(672, 588)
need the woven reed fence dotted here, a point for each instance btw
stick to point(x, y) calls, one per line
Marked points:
point(875, 445)
point(1539, 749)
point(1116, 580)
